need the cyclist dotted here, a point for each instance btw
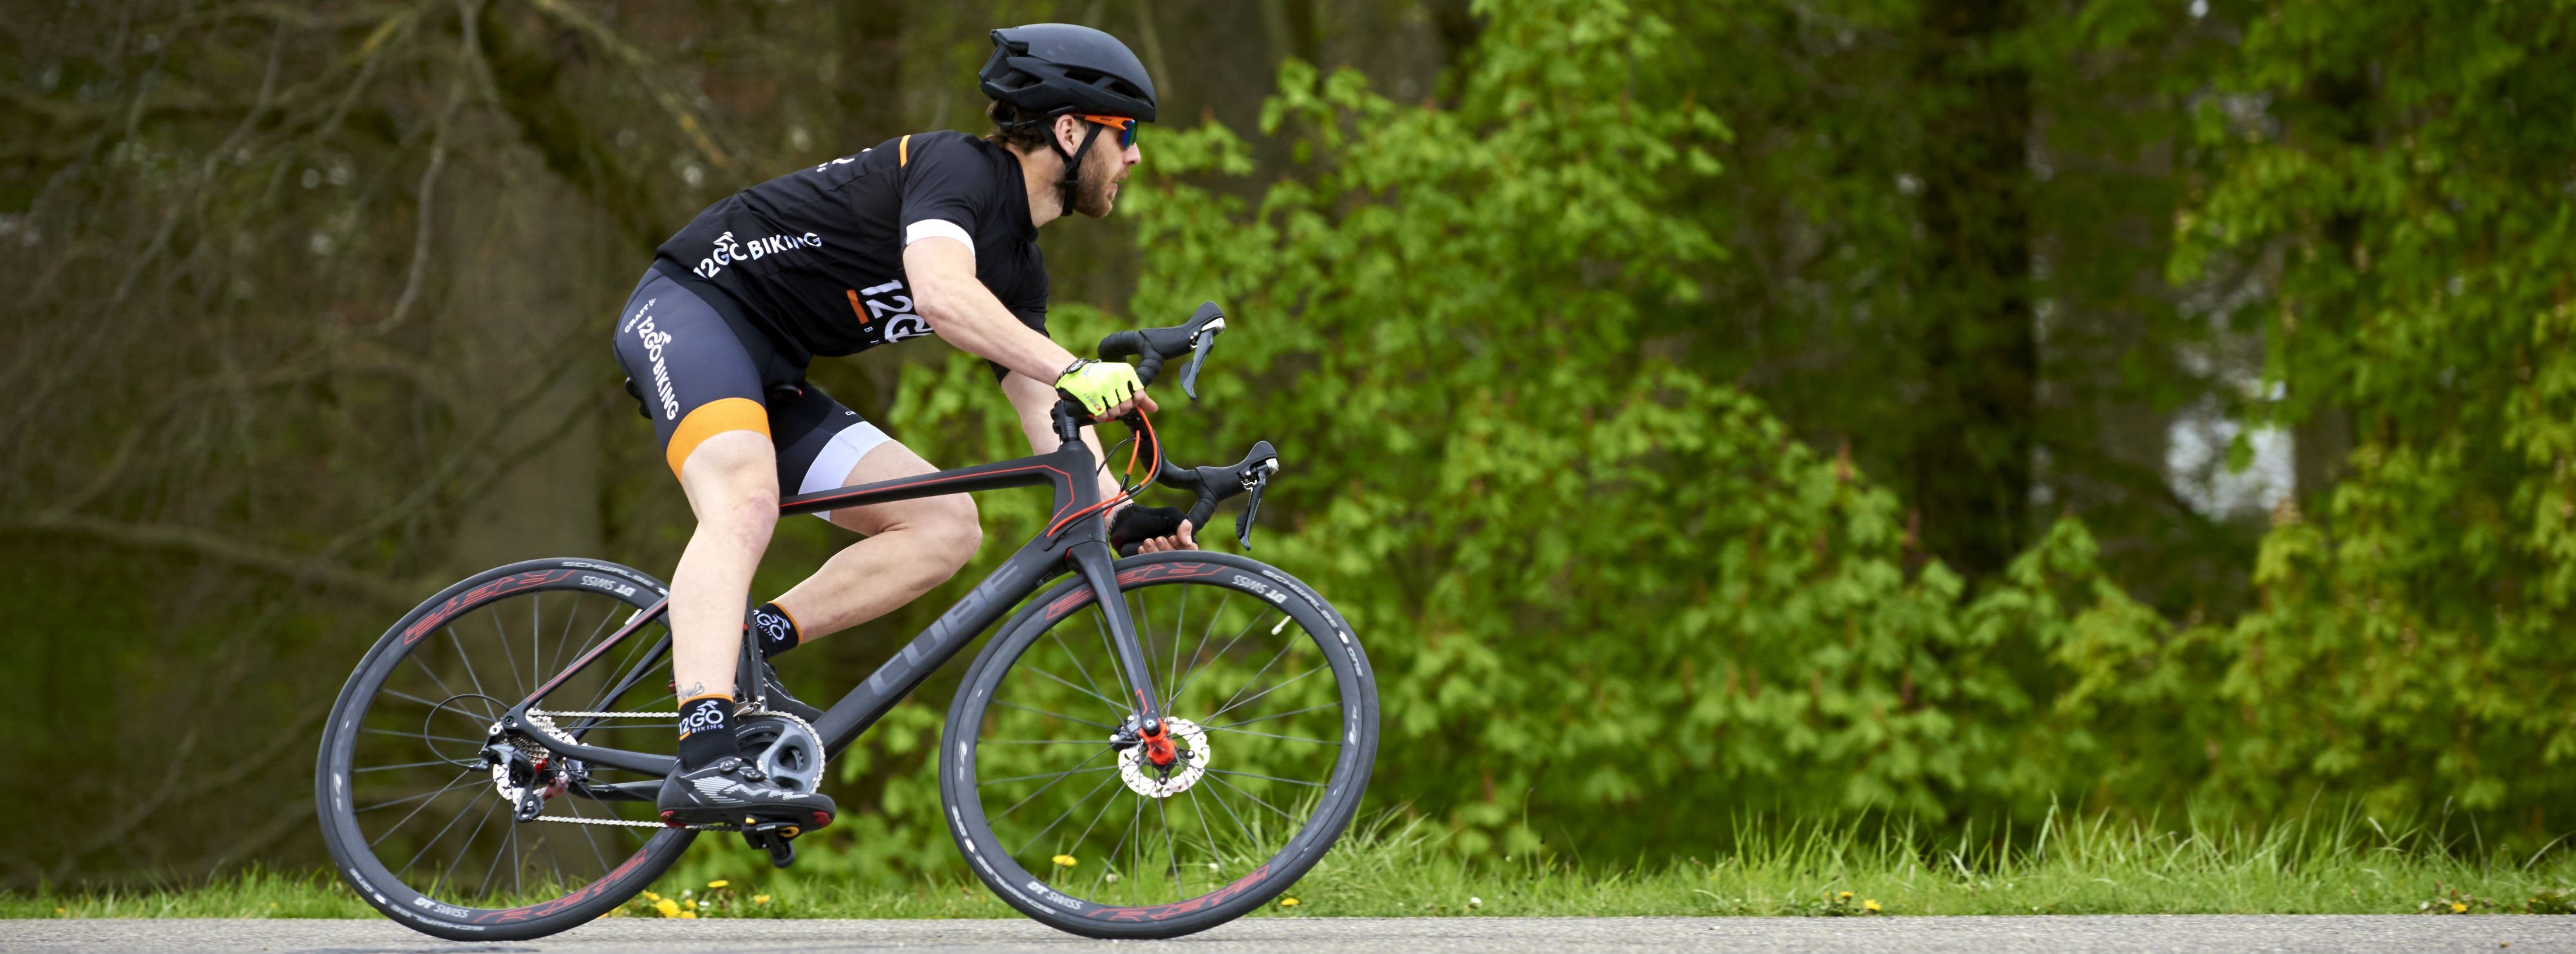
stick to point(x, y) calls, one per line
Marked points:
point(928, 233)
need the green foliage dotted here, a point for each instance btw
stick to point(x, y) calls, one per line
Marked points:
point(1593, 581)
point(2412, 175)
point(1610, 597)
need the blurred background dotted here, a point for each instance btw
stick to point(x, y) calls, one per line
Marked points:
point(1921, 410)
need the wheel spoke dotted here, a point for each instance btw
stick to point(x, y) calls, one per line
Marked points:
point(1084, 670)
point(1274, 778)
point(503, 636)
point(431, 673)
point(1059, 715)
point(442, 833)
point(1256, 677)
point(1222, 650)
point(1197, 651)
point(419, 735)
point(389, 768)
point(1041, 742)
point(459, 643)
point(1180, 621)
point(1256, 799)
point(1068, 813)
point(1104, 700)
point(1023, 778)
point(415, 812)
point(1100, 621)
point(1121, 844)
point(1275, 688)
point(1042, 788)
point(1282, 715)
point(1215, 854)
point(1171, 852)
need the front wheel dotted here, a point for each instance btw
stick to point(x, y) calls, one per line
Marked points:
point(1270, 703)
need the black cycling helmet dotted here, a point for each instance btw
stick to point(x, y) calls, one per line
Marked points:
point(1048, 69)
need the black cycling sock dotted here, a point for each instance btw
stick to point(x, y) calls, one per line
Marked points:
point(777, 630)
point(706, 730)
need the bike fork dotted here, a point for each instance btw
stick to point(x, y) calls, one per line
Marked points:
point(1097, 566)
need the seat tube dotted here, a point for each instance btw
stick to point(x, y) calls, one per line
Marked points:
point(1094, 560)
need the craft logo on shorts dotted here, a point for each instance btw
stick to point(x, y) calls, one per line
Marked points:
point(653, 339)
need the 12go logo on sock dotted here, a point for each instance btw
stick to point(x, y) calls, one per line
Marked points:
point(706, 717)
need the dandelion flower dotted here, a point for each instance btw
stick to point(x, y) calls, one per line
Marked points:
point(688, 915)
point(692, 905)
point(1870, 906)
point(2459, 908)
point(1845, 896)
point(59, 912)
point(1113, 877)
point(1287, 902)
point(718, 883)
point(650, 896)
point(1066, 861)
point(668, 907)
point(760, 899)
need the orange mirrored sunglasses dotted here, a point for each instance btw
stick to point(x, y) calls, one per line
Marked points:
point(1126, 127)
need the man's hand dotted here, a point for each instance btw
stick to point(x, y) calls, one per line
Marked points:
point(1178, 541)
point(1152, 529)
point(1107, 389)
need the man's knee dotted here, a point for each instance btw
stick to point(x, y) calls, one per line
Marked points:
point(732, 480)
point(951, 530)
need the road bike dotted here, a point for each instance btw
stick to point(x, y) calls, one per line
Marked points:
point(1138, 767)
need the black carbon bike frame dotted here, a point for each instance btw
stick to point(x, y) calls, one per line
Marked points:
point(1073, 534)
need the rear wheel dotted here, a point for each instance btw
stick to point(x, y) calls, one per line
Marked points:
point(1272, 710)
point(466, 834)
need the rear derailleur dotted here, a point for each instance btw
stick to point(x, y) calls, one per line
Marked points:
point(526, 775)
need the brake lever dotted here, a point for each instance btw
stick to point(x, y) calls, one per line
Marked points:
point(1254, 482)
point(1199, 348)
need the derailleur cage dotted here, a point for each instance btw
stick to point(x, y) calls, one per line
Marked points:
point(527, 775)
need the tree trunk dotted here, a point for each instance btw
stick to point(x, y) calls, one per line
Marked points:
point(1971, 464)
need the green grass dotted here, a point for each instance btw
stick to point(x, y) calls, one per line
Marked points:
point(1393, 867)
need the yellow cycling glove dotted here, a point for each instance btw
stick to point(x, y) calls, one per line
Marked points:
point(1099, 385)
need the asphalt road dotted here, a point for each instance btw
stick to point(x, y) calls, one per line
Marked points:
point(1980, 935)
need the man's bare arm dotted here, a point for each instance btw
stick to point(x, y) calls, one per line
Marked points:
point(966, 315)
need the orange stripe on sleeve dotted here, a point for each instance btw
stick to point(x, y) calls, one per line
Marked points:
point(711, 419)
point(903, 150)
point(854, 305)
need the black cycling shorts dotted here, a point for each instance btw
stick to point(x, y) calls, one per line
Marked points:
point(697, 374)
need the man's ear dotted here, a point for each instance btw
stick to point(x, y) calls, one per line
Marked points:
point(1068, 133)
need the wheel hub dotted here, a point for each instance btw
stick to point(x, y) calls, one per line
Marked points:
point(1165, 763)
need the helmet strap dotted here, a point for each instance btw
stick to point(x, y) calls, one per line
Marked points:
point(1073, 163)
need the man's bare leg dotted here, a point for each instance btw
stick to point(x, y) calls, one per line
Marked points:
point(911, 546)
point(732, 483)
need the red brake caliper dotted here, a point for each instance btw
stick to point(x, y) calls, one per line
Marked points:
point(1158, 747)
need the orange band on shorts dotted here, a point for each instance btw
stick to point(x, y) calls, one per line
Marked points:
point(710, 419)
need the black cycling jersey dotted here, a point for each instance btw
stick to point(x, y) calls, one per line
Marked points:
point(814, 258)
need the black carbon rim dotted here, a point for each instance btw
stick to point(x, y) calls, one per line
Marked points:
point(1039, 801)
point(413, 816)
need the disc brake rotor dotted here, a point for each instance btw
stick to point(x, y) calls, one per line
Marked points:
point(1164, 782)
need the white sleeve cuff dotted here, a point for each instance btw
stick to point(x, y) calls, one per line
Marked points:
point(938, 228)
